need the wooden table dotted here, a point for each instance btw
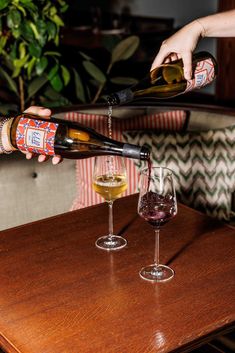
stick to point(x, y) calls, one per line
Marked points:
point(59, 293)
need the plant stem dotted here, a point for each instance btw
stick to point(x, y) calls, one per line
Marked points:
point(21, 89)
point(98, 93)
point(101, 86)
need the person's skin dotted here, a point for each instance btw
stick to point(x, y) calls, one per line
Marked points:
point(44, 113)
point(182, 43)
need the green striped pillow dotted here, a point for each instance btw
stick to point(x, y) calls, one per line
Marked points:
point(203, 163)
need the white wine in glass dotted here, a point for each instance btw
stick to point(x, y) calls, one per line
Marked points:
point(110, 181)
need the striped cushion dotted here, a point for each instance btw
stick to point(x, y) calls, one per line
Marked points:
point(86, 196)
point(203, 163)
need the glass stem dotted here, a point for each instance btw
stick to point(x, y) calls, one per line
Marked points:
point(156, 253)
point(110, 203)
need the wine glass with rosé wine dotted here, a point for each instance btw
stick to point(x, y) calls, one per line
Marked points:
point(110, 181)
point(157, 205)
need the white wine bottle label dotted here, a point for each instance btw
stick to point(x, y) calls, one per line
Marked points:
point(36, 136)
point(204, 73)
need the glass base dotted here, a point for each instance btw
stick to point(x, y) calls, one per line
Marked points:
point(160, 273)
point(114, 242)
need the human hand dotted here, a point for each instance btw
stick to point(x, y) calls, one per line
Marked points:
point(44, 113)
point(180, 46)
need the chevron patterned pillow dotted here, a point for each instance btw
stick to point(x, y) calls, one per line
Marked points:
point(203, 163)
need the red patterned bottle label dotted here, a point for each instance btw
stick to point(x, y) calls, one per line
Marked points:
point(36, 136)
point(204, 74)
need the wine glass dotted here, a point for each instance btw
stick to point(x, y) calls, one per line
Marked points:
point(157, 205)
point(110, 181)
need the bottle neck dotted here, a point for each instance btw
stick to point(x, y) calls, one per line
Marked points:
point(120, 97)
point(135, 152)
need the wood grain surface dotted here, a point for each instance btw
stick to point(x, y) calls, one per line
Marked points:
point(59, 293)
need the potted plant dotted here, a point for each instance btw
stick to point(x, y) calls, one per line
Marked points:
point(29, 56)
point(32, 67)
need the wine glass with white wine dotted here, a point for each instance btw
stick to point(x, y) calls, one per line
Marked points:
point(110, 181)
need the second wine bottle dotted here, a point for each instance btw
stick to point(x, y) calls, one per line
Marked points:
point(167, 80)
point(29, 133)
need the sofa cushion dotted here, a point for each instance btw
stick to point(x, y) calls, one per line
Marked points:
point(203, 163)
point(86, 196)
point(31, 190)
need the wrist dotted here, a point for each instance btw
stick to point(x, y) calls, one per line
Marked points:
point(199, 28)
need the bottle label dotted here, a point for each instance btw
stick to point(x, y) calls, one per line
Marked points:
point(36, 136)
point(204, 73)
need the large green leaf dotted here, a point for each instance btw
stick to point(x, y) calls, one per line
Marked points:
point(53, 72)
point(65, 75)
point(16, 72)
point(51, 30)
point(35, 85)
point(35, 30)
point(26, 2)
point(27, 31)
point(125, 49)
point(53, 11)
point(13, 18)
point(30, 66)
point(42, 32)
point(3, 41)
point(13, 52)
point(94, 71)
point(4, 3)
point(18, 64)
point(22, 50)
point(57, 20)
point(79, 89)
point(41, 26)
point(85, 56)
point(62, 2)
point(55, 98)
point(35, 49)
point(8, 62)
point(51, 94)
point(11, 83)
point(41, 65)
point(52, 53)
point(21, 8)
point(16, 32)
point(33, 26)
point(64, 8)
point(57, 83)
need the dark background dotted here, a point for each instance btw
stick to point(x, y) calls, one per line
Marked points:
point(153, 21)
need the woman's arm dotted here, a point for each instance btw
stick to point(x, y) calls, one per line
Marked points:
point(183, 42)
point(219, 25)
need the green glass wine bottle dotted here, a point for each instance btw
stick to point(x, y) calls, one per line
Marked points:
point(168, 80)
point(29, 133)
